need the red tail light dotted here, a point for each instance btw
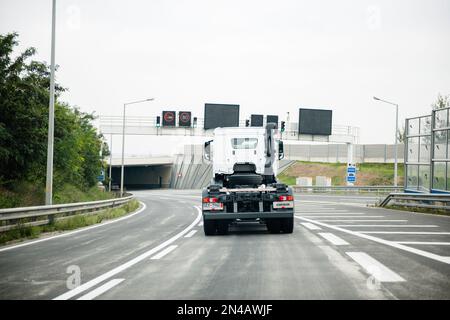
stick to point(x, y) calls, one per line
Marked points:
point(210, 200)
point(286, 198)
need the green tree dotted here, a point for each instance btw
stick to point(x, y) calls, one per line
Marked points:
point(24, 100)
point(443, 101)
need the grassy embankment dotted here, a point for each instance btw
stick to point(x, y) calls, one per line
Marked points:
point(368, 174)
point(28, 194)
point(69, 223)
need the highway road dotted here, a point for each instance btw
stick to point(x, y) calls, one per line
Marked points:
point(340, 249)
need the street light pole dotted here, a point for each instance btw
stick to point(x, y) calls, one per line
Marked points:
point(51, 116)
point(110, 164)
point(122, 173)
point(396, 138)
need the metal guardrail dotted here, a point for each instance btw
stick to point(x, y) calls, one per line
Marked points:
point(355, 189)
point(418, 200)
point(40, 215)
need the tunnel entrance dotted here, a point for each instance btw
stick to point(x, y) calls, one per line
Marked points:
point(142, 177)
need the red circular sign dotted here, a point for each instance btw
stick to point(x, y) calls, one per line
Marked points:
point(169, 116)
point(185, 117)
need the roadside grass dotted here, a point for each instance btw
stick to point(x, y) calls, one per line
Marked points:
point(368, 174)
point(24, 194)
point(67, 223)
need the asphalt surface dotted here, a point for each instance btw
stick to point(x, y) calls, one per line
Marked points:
point(340, 249)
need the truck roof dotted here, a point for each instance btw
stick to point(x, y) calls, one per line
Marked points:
point(239, 130)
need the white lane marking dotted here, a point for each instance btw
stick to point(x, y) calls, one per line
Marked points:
point(311, 226)
point(404, 232)
point(100, 290)
point(375, 268)
point(190, 234)
point(161, 254)
point(71, 293)
point(425, 243)
point(333, 239)
point(358, 220)
point(144, 206)
point(200, 224)
point(388, 225)
point(353, 204)
point(326, 213)
point(383, 241)
point(320, 211)
point(321, 216)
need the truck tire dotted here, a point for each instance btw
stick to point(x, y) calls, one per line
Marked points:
point(222, 227)
point(287, 225)
point(209, 226)
point(274, 225)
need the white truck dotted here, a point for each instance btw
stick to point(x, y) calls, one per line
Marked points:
point(244, 186)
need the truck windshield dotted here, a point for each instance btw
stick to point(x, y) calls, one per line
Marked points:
point(244, 143)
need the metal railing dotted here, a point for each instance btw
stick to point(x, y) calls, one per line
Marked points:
point(418, 200)
point(40, 215)
point(354, 189)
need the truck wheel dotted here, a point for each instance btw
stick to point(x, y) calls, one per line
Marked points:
point(222, 227)
point(274, 225)
point(209, 226)
point(287, 225)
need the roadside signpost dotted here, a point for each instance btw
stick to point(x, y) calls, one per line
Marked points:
point(351, 174)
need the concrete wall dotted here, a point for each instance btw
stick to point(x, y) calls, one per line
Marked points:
point(380, 153)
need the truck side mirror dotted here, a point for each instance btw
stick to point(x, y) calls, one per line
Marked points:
point(207, 150)
point(280, 150)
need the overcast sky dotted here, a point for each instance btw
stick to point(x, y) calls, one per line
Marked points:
point(270, 57)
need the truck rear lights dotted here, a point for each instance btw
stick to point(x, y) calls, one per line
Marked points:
point(286, 198)
point(210, 200)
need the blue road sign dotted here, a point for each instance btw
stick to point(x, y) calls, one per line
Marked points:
point(351, 179)
point(351, 169)
point(101, 178)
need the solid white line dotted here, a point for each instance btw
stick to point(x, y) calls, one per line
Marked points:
point(190, 234)
point(376, 269)
point(126, 265)
point(326, 213)
point(76, 231)
point(404, 232)
point(383, 241)
point(425, 243)
point(164, 252)
point(323, 211)
point(387, 225)
point(333, 239)
point(320, 216)
point(200, 224)
point(359, 220)
point(311, 226)
point(100, 290)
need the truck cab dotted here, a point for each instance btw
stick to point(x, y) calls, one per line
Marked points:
point(244, 186)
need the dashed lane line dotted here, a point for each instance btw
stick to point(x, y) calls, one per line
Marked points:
point(404, 232)
point(375, 268)
point(388, 225)
point(190, 234)
point(100, 290)
point(71, 293)
point(333, 239)
point(311, 226)
point(359, 220)
point(164, 252)
point(403, 247)
point(321, 216)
